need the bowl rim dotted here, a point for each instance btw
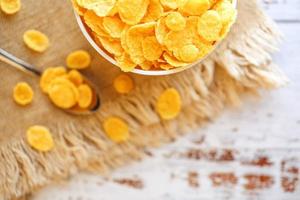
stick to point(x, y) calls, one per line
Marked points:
point(139, 71)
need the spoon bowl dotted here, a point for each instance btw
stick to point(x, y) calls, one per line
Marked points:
point(30, 69)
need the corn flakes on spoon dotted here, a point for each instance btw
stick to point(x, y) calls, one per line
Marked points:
point(30, 69)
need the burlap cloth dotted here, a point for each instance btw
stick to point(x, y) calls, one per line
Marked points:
point(242, 64)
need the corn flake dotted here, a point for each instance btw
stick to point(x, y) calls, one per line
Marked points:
point(85, 96)
point(36, 40)
point(112, 46)
point(173, 61)
point(168, 104)
point(63, 93)
point(175, 21)
point(194, 7)
point(75, 77)
point(49, 75)
point(101, 8)
point(123, 84)
point(132, 12)
point(79, 59)
point(113, 26)
point(95, 23)
point(152, 50)
point(169, 4)
point(210, 25)
point(10, 6)
point(23, 94)
point(154, 11)
point(125, 63)
point(40, 138)
point(116, 129)
point(189, 53)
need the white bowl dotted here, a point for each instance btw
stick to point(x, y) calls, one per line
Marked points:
point(137, 71)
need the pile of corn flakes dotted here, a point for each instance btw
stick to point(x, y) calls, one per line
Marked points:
point(157, 34)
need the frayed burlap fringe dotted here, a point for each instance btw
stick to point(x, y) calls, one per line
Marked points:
point(241, 65)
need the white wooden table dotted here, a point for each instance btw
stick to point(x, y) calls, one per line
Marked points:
point(251, 153)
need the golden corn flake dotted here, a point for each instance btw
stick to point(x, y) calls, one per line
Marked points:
point(95, 23)
point(123, 84)
point(116, 129)
point(112, 46)
point(157, 34)
point(154, 11)
point(151, 48)
point(195, 7)
point(75, 77)
point(173, 61)
point(85, 96)
point(189, 53)
point(23, 93)
point(226, 10)
point(125, 63)
point(63, 93)
point(168, 104)
point(79, 59)
point(175, 21)
point(36, 40)
point(113, 26)
point(169, 4)
point(132, 12)
point(134, 38)
point(49, 75)
point(40, 138)
point(10, 6)
point(101, 7)
point(210, 25)
point(161, 30)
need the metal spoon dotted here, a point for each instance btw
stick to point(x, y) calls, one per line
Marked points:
point(30, 69)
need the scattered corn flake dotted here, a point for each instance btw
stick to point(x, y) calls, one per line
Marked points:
point(112, 46)
point(23, 93)
point(154, 11)
point(123, 84)
point(125, 63)
point(168, 104)
point(194, 7)
point(132, 12)
point(79, 59)
point(152, 50)
point(85, 96)
point(113, 26)
point(175, 21)
point(49, 75)
point(116, 129)
point(210, 25)
point(10, 6)
point(63, 93)
point(36, 40)
point(101, 8)
point(40, 138)
point(189, 53)
point(75, 77)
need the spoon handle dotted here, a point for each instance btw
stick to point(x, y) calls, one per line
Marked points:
point(18, 63)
